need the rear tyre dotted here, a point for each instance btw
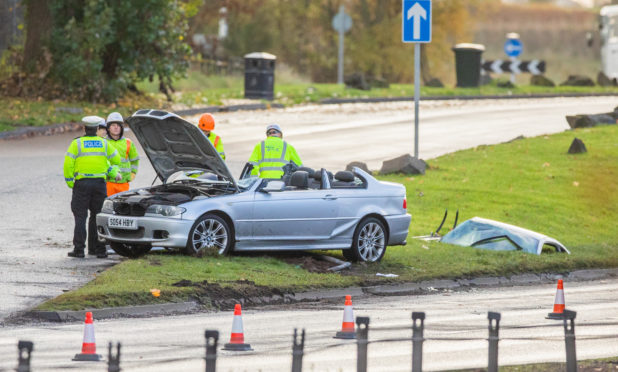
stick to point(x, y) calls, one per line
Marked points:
point(130, 250)
point(370, 239)
point(209, 235)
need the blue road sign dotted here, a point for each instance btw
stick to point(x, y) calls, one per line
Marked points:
point(416, 21)
point(513, 47)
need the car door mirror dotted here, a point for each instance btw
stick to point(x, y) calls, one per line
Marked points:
point(273, 186)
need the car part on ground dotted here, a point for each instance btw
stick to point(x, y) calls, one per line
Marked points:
point(435, 235)
point(200, 208)
point(498, 236)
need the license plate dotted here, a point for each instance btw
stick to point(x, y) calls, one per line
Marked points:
point(125, 223)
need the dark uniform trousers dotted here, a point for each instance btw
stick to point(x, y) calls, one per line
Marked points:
point(88, 195)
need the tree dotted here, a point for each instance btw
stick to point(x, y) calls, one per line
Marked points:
point(98, 49)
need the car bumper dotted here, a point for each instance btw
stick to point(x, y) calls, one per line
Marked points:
point(162, 232)
point(398, 227)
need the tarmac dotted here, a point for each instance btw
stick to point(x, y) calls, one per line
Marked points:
point(403, 289)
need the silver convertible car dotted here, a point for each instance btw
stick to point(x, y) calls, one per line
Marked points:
point(200, 207)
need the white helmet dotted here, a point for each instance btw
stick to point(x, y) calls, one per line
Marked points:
point(114, 117)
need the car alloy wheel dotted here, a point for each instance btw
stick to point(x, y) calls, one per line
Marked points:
point(370, 239)
point(209, 234)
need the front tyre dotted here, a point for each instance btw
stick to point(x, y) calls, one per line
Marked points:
point(369, 244)
point(209, 234)
point(130, 250)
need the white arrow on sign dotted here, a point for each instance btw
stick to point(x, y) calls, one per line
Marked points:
point(496, 66)
point(417, 12)
point(515, 67)
point(533, 67)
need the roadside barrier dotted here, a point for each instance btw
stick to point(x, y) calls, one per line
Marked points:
point(113, 361)
point(89, 345)
point(558, 302)
point(24, 352)
point(347, 326)
point(297, 352)
point(25, 347)
point(237, 338)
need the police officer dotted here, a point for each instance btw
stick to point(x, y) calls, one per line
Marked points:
point(207, 125)
point(128, 154)
point(86, 166)
point(102, 128)
point(271, 155)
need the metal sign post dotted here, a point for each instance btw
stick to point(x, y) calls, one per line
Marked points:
point(342, 24)
point(513, 48)
point(416, 28)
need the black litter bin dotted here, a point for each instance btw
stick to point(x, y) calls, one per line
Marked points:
point(468, 64)
point(259, 75)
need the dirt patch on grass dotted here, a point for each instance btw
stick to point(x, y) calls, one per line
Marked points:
point(224, 297)
point(311, 263)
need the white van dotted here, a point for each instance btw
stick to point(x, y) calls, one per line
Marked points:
point(609, 40)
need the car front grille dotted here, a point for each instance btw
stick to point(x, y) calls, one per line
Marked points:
point(129, 209)
point(131, 234)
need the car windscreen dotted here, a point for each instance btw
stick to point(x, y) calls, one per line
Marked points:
point(487, 236)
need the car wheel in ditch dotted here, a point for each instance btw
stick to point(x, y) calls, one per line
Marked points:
point(130, 250)
point(369, 244)
point(210, 234)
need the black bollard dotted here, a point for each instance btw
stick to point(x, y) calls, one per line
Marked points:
point(494, 327)
point(212, 337)
point(362, 333)
point(418, 327)
point(113, 362)
point(25, 350)
point(297, 351)
point(569, 340)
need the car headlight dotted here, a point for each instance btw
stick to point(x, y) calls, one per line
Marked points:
point(165, 210)
point(108, 207)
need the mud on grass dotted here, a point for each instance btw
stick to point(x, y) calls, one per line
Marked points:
point(590, 365)
point(246, 292)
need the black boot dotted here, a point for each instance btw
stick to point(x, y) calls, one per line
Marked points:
point(76, 254)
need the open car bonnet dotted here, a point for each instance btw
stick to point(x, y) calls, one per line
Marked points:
point(173, 144)
point(493, 235)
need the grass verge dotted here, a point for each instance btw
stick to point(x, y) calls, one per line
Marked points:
point(588, 365)
point(200, 90)
point(532, 183)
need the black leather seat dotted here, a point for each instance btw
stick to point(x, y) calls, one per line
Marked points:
point(343, 179)
point(300, 180)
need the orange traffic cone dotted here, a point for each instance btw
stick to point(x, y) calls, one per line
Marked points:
point(347, 327)
point(237, 339)
point(89, 346)
point(558, 303)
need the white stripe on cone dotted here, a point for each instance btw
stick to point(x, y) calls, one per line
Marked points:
point(89, 334)
point(237, 324)
point(559, 300)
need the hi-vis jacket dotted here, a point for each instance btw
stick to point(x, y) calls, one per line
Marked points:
point(129, 159)
point(90, 157)
point(217, 144)
point(271, 155)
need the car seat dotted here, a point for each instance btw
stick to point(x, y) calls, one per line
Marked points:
point(343, 179)
point(299, 180)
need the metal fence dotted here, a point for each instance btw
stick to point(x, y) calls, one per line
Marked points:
point(215, 66)
point(362, 341)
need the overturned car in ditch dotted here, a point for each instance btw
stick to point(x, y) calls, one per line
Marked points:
point(200, 207)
